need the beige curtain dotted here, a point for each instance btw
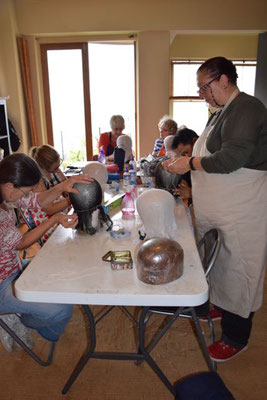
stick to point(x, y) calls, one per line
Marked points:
point(26, 78)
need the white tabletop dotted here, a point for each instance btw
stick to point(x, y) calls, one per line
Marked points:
point(69, 269)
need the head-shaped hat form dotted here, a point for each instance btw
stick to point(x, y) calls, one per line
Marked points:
point(97, 171)
point(156, 209)
point(125, 142)
point(159, 261)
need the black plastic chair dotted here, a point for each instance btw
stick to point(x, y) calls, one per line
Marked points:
point(30, 226)
point(208, 248)
point(24, 345)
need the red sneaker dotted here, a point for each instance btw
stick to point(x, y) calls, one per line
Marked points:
point(220, 351)
point(215, 315)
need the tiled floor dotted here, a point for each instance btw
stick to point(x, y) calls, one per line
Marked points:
point(178, 354)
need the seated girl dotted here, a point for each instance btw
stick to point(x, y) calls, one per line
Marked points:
point(19, 175)
point(49, 162)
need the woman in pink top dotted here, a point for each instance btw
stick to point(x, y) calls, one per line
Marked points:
point(19, 174)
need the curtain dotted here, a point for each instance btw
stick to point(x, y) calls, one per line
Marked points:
point(27, 86)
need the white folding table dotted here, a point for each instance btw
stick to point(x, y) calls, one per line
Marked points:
point(69, 269)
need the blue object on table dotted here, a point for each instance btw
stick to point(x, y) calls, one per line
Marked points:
point(119, 235)
point(204, 386)
point(114, 177)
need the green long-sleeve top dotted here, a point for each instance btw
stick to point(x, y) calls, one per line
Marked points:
point(239, 137)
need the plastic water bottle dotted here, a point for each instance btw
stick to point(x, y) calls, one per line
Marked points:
point(126, 176)
point(132, 173)
point(101, 156)
point(127, 206)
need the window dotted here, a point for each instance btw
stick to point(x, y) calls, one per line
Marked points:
point(84, 85)
point(187, 108)
point(112, 87)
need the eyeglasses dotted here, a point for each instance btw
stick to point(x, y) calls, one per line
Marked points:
point(57, 167)
point(204, 87)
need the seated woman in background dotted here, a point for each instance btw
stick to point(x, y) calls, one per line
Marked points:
point(49, 162)
point(108, 140)
point(167, 126)
point(19, 174)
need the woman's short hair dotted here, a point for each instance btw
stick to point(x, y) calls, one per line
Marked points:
point(218, 66)
point(117, 121)
point(45, 156)
point(167, 122)
point(19, 169)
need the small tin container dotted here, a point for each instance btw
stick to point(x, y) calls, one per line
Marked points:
point(121, 260)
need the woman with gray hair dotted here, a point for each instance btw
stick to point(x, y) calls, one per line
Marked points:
point(167, 126)
point(108, 140)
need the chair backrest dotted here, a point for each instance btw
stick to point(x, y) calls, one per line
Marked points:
point(209, 247)
point(30, 224)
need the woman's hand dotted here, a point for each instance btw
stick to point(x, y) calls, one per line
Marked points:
point(67, 185)
point(177, 165)
point(183, 191)
point(68, 221)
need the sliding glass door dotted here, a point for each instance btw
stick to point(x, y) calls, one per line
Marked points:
point(84, 85)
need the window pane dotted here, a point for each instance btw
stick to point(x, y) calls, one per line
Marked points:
point(184, 79)
point(246, 78)
point(112, 87)
point(193, 114)
point(67, 103)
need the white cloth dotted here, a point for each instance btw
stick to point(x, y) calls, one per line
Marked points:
point(236, 204)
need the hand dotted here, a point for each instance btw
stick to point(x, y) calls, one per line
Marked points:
point(68, 221)
point(177, 165)
point(183, 191)
point(67, 185)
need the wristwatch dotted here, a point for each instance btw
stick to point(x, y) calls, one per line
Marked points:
point(191, 165)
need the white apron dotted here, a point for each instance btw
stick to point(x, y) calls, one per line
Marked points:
point(235, 203)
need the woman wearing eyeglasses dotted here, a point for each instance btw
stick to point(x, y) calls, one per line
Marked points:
point(19, 175)
point(167, 126)
point(49, 162)
point(229, 185)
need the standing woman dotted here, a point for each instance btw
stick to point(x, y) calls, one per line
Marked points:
point(19, 174)
point(229, 185)
point(108, 140)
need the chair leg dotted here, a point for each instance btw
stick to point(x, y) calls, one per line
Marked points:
point(212, 337)
point(209, 361)
point(27, 349)
point(211, 326)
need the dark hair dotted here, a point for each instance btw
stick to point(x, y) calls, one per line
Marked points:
point(218, 66)
point(19, 169)
point(184, 136)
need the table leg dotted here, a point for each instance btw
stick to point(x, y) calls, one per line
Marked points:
point(147, 357)
point(88, 353)
point(141, 354)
